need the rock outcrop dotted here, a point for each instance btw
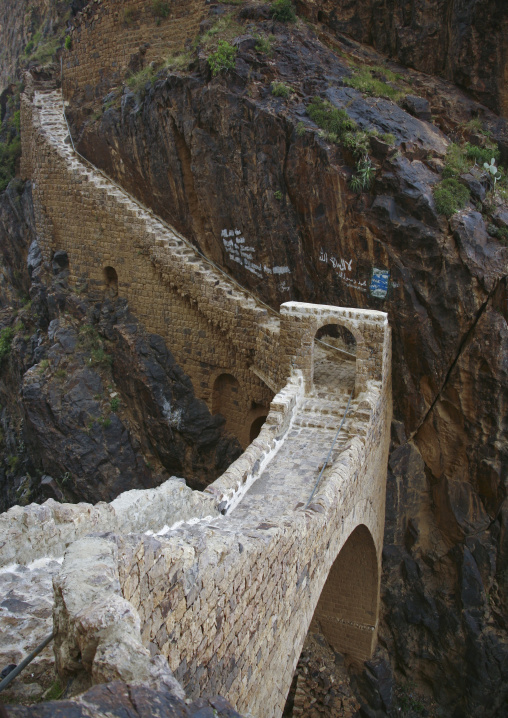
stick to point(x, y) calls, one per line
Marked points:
point(465, 42)
point(118, 699)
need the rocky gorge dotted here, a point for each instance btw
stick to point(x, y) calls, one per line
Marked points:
point(253, 155)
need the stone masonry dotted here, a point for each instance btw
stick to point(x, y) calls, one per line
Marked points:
point(223, 601)
point(113, 39)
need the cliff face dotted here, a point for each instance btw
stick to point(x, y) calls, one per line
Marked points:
point(464, 42)
point(246, 173)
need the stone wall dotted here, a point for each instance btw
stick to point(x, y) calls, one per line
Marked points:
point(114, 38)
point(229, 603)
point(28, 533)
point(210, 325)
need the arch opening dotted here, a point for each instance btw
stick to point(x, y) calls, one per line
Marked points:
point(334, 359)
point(256, 426)
point(343, 628)
point(111, 281)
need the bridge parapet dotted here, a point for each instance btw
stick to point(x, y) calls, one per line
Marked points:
point(300, 323)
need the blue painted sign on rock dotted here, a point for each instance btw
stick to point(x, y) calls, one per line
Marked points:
point(379, 283)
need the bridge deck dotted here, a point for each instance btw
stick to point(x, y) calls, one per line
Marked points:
point(288, 480)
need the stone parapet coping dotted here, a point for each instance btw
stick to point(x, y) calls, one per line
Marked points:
point(234, 483)
point(36, 531)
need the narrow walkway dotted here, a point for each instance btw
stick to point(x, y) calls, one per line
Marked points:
point(287, 482)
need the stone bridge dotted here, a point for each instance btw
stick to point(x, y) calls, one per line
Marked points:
point(220, 586)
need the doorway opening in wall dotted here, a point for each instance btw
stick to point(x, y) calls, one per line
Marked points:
point(341, 634)
point(255, 427)
point(111, 281)
point(334, 360)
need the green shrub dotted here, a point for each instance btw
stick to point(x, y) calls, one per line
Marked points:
point(283, 11)
point(88, 337)
point(115, 403)
point(357, 143)
point(450, 196)
point(43, 365)
point(501, 233)
point(60, 374)
point(29, 47)
point(6, 337)
point(278, 195)
point(15, 120)
point(100, 357)
point(13, 462)
point(68, 42)
point(160, 8)
point(139, 80)
point(9, 153)
point(482, 154)
point(363, 81)
point(223, 59)
point(264, 44)
point(300, 129)
point(362, 179)
point(329, 118)
point(279, 89)
point(129, 15)
point(388, 138)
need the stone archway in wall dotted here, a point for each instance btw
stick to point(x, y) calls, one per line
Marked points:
point(111, 281)
point(343, 630)
point(256, 426)
point(334, 360)
point(347, 609)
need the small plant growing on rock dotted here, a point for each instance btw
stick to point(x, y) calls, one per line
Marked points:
point(279, 89)
point(223, 59)
point(138, 81)
point(388, 138)
point(356, 142)
point(100, 357)
point(278, 195)
point(6, 337)
point(60, 374)
point(283, 11)
point(492, 171)
point(115, 404)
point(300, 129)
point(161, 9)
point(264, 44)
point(68, 42)
point(362, 179)
point(43, 365)
point(450, 196)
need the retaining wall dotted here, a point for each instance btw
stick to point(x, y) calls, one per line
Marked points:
point(114, 38)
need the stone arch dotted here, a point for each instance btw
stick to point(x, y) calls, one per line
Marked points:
point(256, 426)
point(334, 358)
point(111, 281)
point(347, 609)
